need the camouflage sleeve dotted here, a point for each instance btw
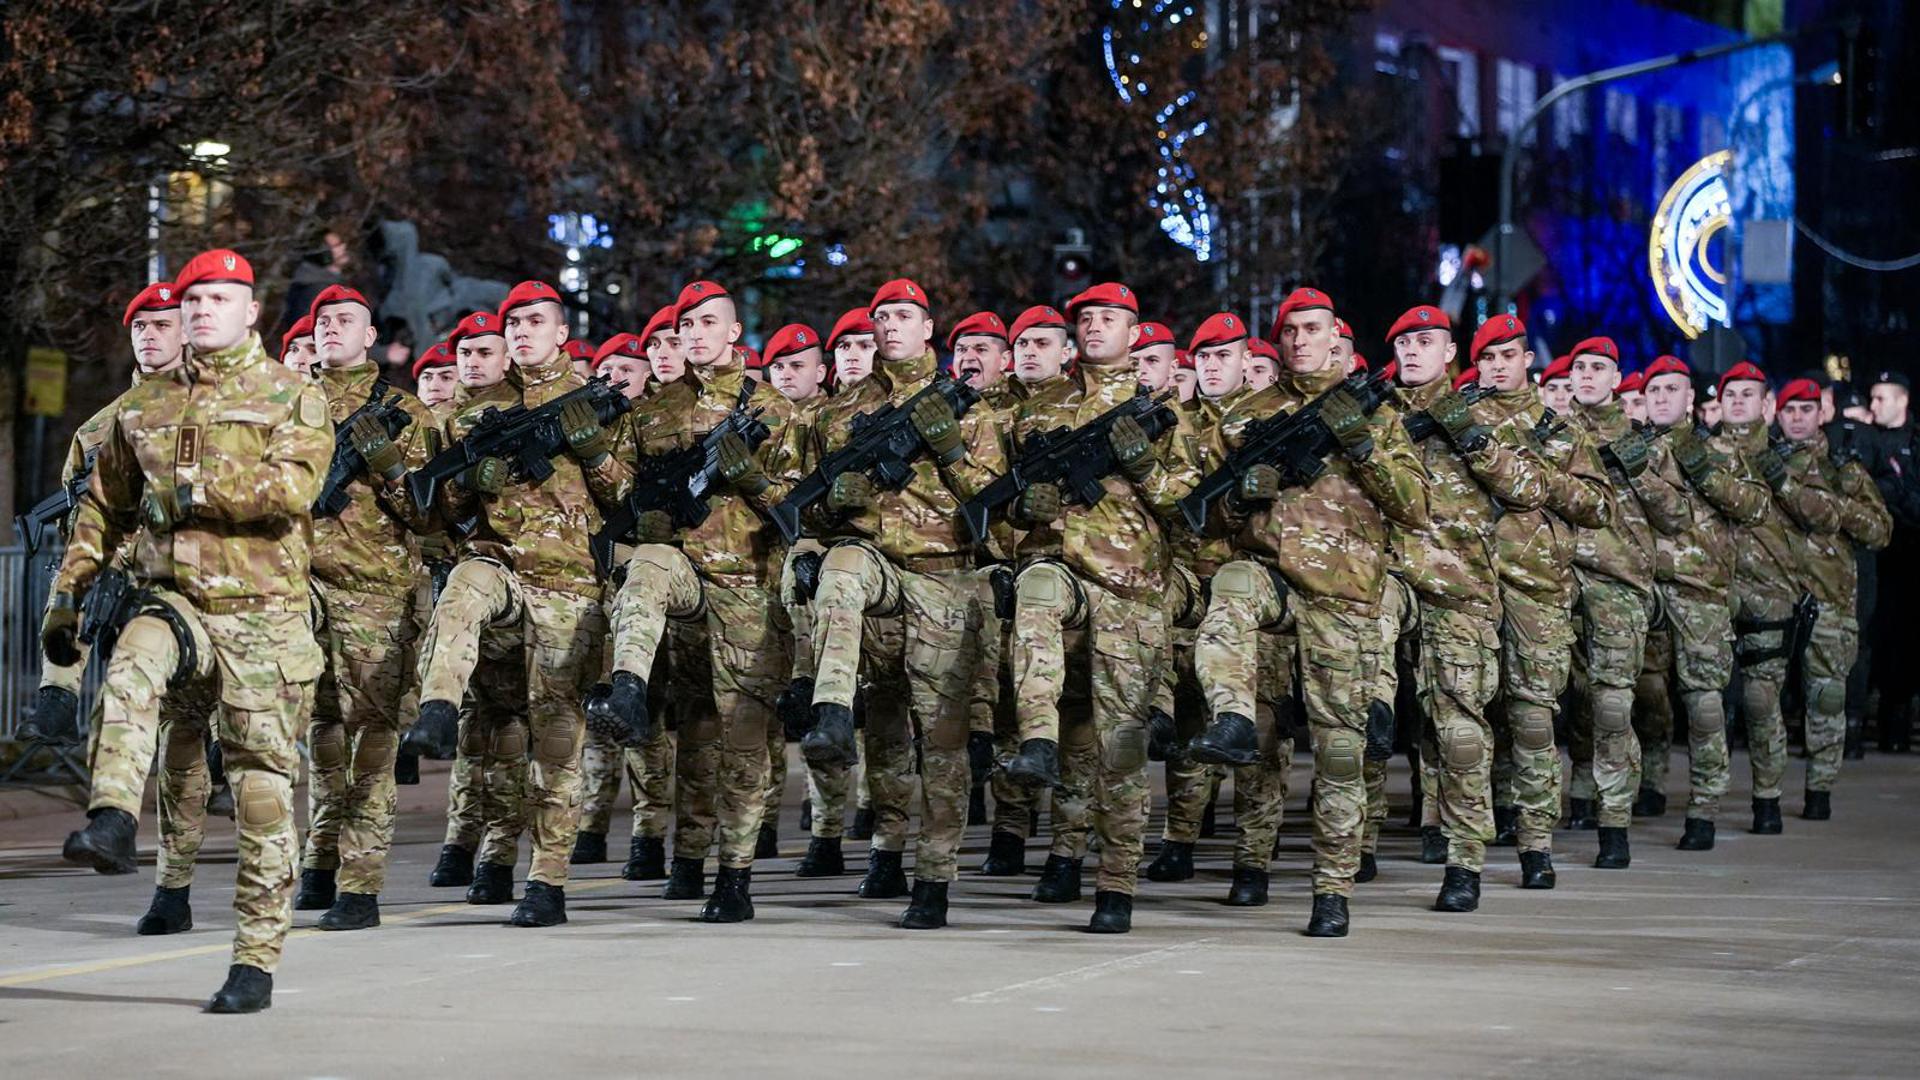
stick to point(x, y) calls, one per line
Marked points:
point(780, 456)
point(984, 461)
point(1663, 494)
point(417, 444)
point(1863, 515)
point(610, 481)
point(1732, 489)
point(108, 513)
point(1577, 489)
point(1807, 499)
point(285, 479)
point(1511, 471)
point(1177, 475)
point(1392, 476)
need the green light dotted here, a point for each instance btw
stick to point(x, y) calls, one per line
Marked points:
point(779, 247)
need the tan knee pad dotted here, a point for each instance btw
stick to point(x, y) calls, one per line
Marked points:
point(1125, 747)
point(1704, 715)
point(1244, 580)
point(1827, 697)
point(1460, 746)
point(1338, 756)
point(1532, 727)
point(507, 742)
point(659, 562)
point(328, 744)
point(1049, 588)
point(261, 803)
point(1612, 710)
point(376, 749)
point(556, 744)
point(1760, 696)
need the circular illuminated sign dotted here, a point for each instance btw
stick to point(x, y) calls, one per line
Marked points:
point(1694, 212)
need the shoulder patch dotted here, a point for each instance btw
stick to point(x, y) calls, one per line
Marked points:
point(313, 409)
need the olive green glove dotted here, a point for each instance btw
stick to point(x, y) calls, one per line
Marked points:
point(653, 527)
point(1342, 414)
point(163, 509)
point(1772, 464)
point(585, 437)
point(369, 439)
point(1691, 452)
point(850, 491)
point(739, 468)
point(1627, 456)
point(1132, 450)
point(488, 476)
point(436, 548)
point(1260, 484)
point(1038, 505)
point(60, 633)
point(933, 418)
point(1454, 413)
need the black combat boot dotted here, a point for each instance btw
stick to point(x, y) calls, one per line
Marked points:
point(928, 908)
point(454, 868)
point(220, 801)
point(885, 879)
point(1228, 740)
point(247, 990)
point(1162, 742)
point(1173, 863)
point(1006, 855)
point(55, 717)
point(435, 732)
point(492, 884)
point(1037, 765)
point(543, 905)
point(1580, 815)
point(1650, 802)
point(1459, 891)
point(589, 848)
point(1210, 817)
point(1112, 913)
point(1329, 917)
point(1818, 807)
point(406, 769)
point(823, 859)
point(106, 844)
point(977, 805)
point(794, 707)
point(1536, 870)
point(732, 899)
point(1614, 852)
point(1059, 881)
point(862, 828)
point(1433, 845)
point(768, 846)
point(1369, 868)
point(317, 891)
point(688, 881)
point(168, 914)
point(352, 911)
point(1766, 817)
point(830, 744)
point(1249, 888)
point(617, 710)
point(1698, 835)
point(1506, 820)
point(806, 815)
point(646, 859)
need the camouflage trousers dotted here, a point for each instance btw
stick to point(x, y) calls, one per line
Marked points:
point(1459, 675)
point(65, 676)
point(1760, 685)
point(1830, 652)
point(260, 668)
point(1190, 784)
point(746, 663)
point(1536, 655)
point(1690, 650)
point(828, 791)
point(560, 635)
point(1260, 790)
point(184, 782)
point(1340, 655)
point(1399, 632)
point(648, 771)
point(1606, 668)
point(369, 640)
point(1084, 652)
point(938, 619)
point(487, 788)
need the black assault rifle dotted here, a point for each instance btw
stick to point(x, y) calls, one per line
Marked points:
point(347, 462)
point(54, 509)
point(527, 439)
point(677, 482)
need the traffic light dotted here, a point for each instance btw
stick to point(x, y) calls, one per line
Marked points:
point(1072, 268)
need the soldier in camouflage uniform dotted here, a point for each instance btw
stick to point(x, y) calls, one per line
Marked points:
point(1832, 579)
point(528, 573)
point(1478, 469)
point(1316, 554)
point(723, 573)
point(904, 552)
point(220, 461)
point(1691, 648)
point(1771, 574)
point(1615, 568)
point(363, 571)
point(1534, 554)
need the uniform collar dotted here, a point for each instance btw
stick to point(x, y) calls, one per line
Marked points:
point(228, 360)
point(908, 372)
point(1110, 383)
point(557, 366)
point(1419, 397)
point(1311, 383)
point(346, 380)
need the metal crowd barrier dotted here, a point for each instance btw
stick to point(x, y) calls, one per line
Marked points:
point(24, 581)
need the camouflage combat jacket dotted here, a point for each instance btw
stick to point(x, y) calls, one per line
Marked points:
point(1652, 504)
point(1725, 496)
point(1832, 575)
point(1770, 554)
point(1533, 549)
point(367, 547)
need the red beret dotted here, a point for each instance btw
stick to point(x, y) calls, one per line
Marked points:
point(1341, 329)
point(337, 294)
point(1360, 364)
point(1496, 331)
point(620, 345)
point(1183, 358)
point(158, 296)
point(528, 292)
point(1391, 371)
point(1219, 329)
point(1561, 368)
point(1742, 370)
point(1599, 346)
point(1423, 317)
point(210, 267)
point(1798, 390)
point(1105, 294)
point(856, 321)
point(1667, 365)
point(981, 324)
point(1037, 316)
point(1302, 299)
point(1635, 383)
point(790, 339)
point(441, 355)
point(750, 357)
point(662, 320)
point(302, 327)
point(1467, 378)
point(580, 349)
point(695, 294)
point(1153, 333)
point(1263, 347)
point(899, 291)
point(478, 324)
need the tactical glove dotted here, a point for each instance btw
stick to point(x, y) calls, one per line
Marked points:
point(60, 633)
point(1454, 413)
point(850, 491)
point(739, 468)
point(1627, 456)
point(1260, 484)
point(934, 420)
point(1773, 467)
point(1038, 505)
point(370, 441)
point(488, 476)
point(585, 437)
point(1132, 451)
point(1342, 414)
point(653, 527)
point(162, 509)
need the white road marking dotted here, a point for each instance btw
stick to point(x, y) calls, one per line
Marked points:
point(1082, 974)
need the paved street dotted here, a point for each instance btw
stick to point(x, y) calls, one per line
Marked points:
point(1783, 956)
